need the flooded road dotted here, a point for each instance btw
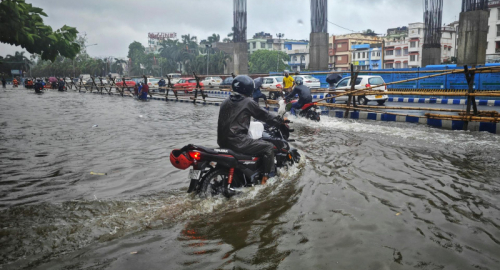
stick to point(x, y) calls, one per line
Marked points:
point(366, 195)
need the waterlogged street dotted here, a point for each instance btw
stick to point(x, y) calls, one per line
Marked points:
point(366, 194)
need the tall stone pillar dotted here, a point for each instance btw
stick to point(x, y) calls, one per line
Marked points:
point(318, 46)
point(240, 55)
point(472, 37)
point(431, 49)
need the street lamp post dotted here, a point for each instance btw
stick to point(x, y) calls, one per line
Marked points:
point(208, 46)
point(279, 35)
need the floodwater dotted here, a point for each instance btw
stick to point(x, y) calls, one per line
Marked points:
point(366, 195)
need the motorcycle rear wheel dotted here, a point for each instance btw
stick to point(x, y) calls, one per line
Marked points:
point(214, 182)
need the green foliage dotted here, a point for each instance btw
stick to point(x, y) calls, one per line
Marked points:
point(21, 24)
point(264, 61)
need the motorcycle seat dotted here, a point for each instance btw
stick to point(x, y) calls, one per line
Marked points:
point(305, 107)
point(222, 151)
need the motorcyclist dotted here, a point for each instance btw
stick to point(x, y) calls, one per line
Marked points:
point(61, 85)
point(39, 86)
point(304, 93)
point(14, 82)
point(162, 84)
point(234, 121)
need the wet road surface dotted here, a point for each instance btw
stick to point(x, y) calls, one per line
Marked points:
point(366, 195)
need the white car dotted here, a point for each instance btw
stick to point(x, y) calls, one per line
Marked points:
point(174, 77)
point(362, 82)
point(273, 82)
point(212, 81)
point(309, 81)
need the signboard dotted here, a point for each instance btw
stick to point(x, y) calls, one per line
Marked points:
point(15, 72)
point(162, 36)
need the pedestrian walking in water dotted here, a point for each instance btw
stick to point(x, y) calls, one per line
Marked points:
point(61, 85)
point(4, 82)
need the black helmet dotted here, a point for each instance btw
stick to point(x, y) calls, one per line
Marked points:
point(299, 81)
point(244, 85)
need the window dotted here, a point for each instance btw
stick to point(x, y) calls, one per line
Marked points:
point(497, 48)
point(398, 65)
point(413, 44)
point(389, 65)
point(419, 31)
point(269, 45)
point(339, 58)
point(413, 58)
point(378, 53)
point(398, 52)
point(354, 56)
point(363, 54)
point(390, 52)
point(405, 51)
point(375, 81)
point(498, 30)
point(294, 58)
point(343, 83)
point(405, 65)
point(303, 58)
point(359, 55)
point(254, 45)
point(262, 45)
point(498, 14)
point(192, 81)
point(339, 45)
point(358, 80)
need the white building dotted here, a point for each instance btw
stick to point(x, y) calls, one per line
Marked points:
point(407, 51)
point(299, 54)
point(493, 47)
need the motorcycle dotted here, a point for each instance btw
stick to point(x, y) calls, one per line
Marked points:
point(221, 171)
point(309, 110)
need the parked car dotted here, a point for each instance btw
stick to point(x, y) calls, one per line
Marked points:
point(309, 81)
point(128, 83)
point(362, 82)
point(186, 84)
point(227, 82)
point(174, 77)
point(212, 81)
point(153, 84)
point(97, 81)
point(273, 82)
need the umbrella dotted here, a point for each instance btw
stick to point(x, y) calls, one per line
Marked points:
point(258, 82)
point(52, 79)
point(333, 78)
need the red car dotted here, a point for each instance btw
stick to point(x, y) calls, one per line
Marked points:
point(128, 83)
point(186, 84)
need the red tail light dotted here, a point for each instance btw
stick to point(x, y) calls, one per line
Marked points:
point(308, 82)
point(195, 155)
point(278, 86)
point(367, 85)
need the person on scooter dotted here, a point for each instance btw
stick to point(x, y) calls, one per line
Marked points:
point(60, 85)
point(14, 82)
point(257, 94)
point(234, 122)
point(304, 93)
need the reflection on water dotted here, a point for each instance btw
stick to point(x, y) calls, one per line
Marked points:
point(367, 195)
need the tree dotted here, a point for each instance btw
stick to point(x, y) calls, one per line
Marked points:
point(136, 54)
point(21, 24)
point(264, 61)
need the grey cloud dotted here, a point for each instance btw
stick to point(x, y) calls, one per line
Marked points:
point(114, 24)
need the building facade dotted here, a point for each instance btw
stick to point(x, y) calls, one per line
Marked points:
point(493, 47)
point(367, 56)
point(405, 51)
point(340, 49)
point(299, 54)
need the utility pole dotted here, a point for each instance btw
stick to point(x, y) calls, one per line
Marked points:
point(208, 46)
point(279, 35)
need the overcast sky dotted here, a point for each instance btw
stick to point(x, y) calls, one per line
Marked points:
point(114, 24)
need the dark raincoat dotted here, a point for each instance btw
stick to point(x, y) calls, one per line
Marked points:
point(304, 93)
point(234, 121)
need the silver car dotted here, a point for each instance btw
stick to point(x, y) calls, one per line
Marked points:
point(362, 82)
point(309, 81)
